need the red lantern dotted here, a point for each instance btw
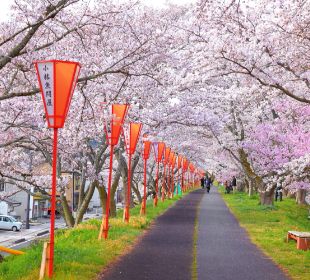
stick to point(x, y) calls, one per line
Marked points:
point(146, 154)
point(57, 80)
point(114, 119)
point(131, 135)
point(159, 148)
point(147, 148)
point(164, 181)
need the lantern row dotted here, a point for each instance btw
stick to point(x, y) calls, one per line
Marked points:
point(57, 81)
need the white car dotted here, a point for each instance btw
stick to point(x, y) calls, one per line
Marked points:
point(10, 223)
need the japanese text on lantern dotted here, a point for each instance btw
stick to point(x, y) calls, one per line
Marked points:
point(46, 72)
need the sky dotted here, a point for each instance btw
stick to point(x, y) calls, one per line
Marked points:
point(160, 3)
point(4, 8)
point(5, 4)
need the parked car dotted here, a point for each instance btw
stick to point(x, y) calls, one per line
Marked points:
point(10, 223)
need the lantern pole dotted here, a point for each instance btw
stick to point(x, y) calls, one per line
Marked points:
point(182, 180)
point(156, 190)
point(50, 78)
point(112, 133)
point(143, 208)
point(107, 208)
point(146, 154)
point(192, 180)
point(163, 184)
point(178, 183)
point(126, 216)
point(172, 181)
point(169, 181)
point(53, 204)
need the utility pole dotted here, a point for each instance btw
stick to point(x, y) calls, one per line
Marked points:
point(28, 211)
point(28, 194)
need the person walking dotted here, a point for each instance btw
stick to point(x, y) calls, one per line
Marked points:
point(227, 187)
point(234, 183)
point(202, 182)
point(278, 192)
point(209, 182)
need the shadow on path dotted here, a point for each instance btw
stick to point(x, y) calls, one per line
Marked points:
point(224, 251)
point(165, 252)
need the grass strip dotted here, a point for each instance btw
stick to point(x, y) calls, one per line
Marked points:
point(267, 227)
point(195, 241)
point(79, 254)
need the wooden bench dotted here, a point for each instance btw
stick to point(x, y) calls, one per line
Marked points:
point(302, 238)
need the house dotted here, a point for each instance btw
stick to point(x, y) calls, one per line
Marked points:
point(11, 200)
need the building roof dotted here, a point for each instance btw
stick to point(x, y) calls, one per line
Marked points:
point(11, 201)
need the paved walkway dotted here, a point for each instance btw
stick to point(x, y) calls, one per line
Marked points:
point(166, 251)
point(224, 251)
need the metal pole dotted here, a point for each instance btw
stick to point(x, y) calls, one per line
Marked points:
point(107, 208)
point(28, 195)
point(128, 189)
point(144, 190)
point(168, 181)
point(53, 204)
point(156, 190)
point(182, 180)
point(27, 211)
point(178, 183)
point(172, 181)
point(163, 184)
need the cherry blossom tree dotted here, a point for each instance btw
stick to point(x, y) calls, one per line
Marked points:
point(224, 83)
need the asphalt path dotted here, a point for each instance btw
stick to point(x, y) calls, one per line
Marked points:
point(224, 251)
point(165, 252)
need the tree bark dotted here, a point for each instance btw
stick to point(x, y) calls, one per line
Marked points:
point(301, 196)
point(84, 205)
point(256, 182)
point(250, 193)
point(67, 214)
point(135, 188)
point(103, 198)
point(266, 198)
point(291, 195)
point(115, 183)
point(124, 173)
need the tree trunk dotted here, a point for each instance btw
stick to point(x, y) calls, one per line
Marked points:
point(250, 190)
point(266, 197)
point(103, 198)
point(291, 195)
point(301, 196)
point(124, 173)
point(255, 182)
point(115, 183)
point(67, 214)
point(135, 188)
point(246, 186)
point(84, 205)
point(240, 186)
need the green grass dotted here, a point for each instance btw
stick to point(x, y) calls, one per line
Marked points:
point(195, 240)
point(78, 253)
point(268, 226)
